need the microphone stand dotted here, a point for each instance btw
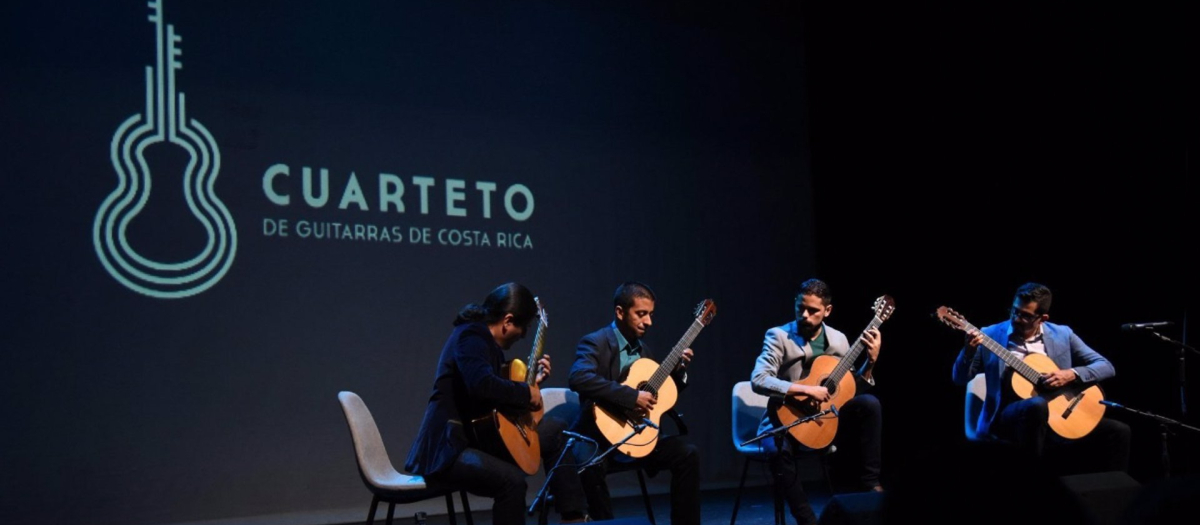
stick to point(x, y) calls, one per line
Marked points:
point(541, 499)
point(637, 429)
point(782, 428)
point(1164, 423)
point(1181, 349)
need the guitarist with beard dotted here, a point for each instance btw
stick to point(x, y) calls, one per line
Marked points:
point(602, 359)
point(1026, 421)
point(787, 352)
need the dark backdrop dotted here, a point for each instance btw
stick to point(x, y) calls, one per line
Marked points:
point(956, 153)
point(960, 152)
point(663, 143)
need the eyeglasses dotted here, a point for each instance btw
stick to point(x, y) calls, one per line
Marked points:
point(1023, 315)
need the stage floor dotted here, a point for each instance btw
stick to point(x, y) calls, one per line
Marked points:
point(756, 509)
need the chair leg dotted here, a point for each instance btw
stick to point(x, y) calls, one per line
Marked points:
point(450, 508)
point(544, 511)
point(646, 497)
point(391, 511)
point(371, 514)
point(466, 507)
point(780, 512)
point(825, 471)
point(737, 499)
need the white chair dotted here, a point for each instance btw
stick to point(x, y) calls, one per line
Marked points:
point(975, 394)
point(376, 470)
point(748, 408)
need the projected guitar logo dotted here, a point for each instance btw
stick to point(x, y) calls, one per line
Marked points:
point(164, 119)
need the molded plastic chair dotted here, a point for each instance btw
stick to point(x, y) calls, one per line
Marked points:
point(975, 394)
point(748, 408)
point(375, 468)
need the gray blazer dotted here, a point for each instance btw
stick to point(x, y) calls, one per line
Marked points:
point(781, 362)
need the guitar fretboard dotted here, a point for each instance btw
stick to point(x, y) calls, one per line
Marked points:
point(535, 354)
point(668, 365)
point(1009, 358)
point(848, 360)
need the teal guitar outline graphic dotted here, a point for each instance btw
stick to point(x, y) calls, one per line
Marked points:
point(164, 119)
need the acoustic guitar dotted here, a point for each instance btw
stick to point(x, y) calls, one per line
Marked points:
point(647, 376)
point(512, 434)
point(830, 372)
point(1075, 409)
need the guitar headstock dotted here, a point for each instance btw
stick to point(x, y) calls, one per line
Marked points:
point(884, 306)
point(705, 311)
point(541, 312)
point(952, 319)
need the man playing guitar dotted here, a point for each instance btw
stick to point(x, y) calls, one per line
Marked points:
point(604, 357)
point(468, 384)
point(1026, 421)
point(787, 353)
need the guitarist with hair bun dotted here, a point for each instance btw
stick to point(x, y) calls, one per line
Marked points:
point(782, 372)
point(1026, 422)
point(468, 384)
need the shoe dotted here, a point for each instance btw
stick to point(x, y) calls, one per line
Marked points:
point(585, 518)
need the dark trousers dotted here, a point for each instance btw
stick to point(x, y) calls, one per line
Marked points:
point(483, 474)
point(671, 453)
point(857, 460)
point(564, 484)
point(1026, 423)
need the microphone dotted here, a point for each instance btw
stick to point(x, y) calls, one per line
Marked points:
point(579, 436)
point(1111, 404)
point(649, 423)
point(1129, 327)
point(833, 408)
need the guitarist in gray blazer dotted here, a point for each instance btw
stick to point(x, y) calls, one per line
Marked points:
point(602, 359)
point(786, 352)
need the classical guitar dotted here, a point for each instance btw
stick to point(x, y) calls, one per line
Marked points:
point(1075, 409)
point(512, 434)
point(830, 372)
point(646, 375)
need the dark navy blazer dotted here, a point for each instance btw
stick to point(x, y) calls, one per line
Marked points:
point(596, 373)
point(468, 384)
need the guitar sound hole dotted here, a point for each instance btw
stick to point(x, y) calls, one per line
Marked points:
point(644, 387)
point(831, 387)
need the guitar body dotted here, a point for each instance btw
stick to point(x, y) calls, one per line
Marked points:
point(510, 435)
point(1074, 411)
point(615, 425)
point(818, 433)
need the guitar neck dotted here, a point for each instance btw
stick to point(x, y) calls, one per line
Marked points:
point(1005, 355)
point(535, 354)
point(668, 365)
point(848, 360)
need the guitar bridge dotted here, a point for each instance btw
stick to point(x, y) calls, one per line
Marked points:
point(1071, 406)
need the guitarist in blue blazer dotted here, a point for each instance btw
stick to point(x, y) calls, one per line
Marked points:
point(602, 359)
point(1025, 421)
